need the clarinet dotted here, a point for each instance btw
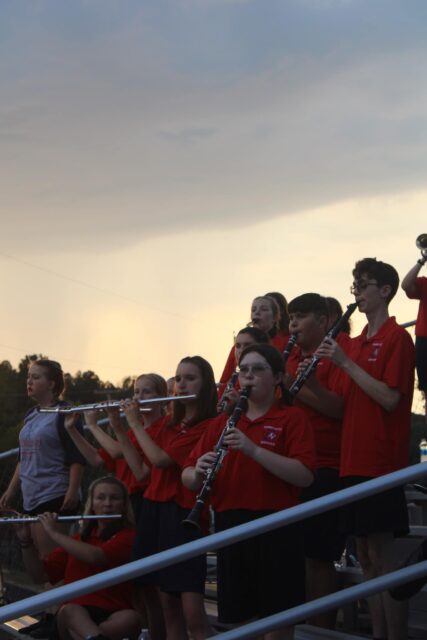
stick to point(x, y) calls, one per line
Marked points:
point(287, 352)
point(312, 365)
point(193, 518)
point(229, 387)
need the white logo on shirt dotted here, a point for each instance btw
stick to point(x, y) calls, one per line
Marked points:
point(270, 435)
point(376, 346)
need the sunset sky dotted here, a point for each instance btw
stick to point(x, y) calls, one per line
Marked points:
point(163, 162)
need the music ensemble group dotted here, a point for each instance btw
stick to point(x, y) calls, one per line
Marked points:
point(301, 411)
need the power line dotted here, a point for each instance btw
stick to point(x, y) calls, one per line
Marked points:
point(91, 286)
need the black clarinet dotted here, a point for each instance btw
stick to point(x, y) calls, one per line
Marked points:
point(287, 352)
point(229, 387)
point(312, 365)
point(193, 518)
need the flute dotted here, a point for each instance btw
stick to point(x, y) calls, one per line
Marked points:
point(314, 361)
point(110, 404)
point(22, 519)
point(193, 518)
point(229, 387)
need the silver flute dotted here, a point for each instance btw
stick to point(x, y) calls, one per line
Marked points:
point(110, 404)
point(21, 519)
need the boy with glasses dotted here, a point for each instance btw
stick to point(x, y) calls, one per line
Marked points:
point(375, 389)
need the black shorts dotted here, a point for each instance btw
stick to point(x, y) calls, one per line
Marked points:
point(97, 614)
point(160, 527)
point(259, 576)
point(384, 512)
point(53, 506)
point(136, 502)
point(322, 538)
point(421, 361)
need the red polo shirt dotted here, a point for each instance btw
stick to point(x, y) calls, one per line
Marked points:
point(121, 469)
point(376, 441)
point(165, 483)
point(327, 431)
point(421, 295)
point(241, 482)
point(60, 565)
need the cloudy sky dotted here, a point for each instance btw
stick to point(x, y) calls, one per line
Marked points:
point(164, 161)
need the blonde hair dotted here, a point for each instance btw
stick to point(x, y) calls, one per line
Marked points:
point(128, 519)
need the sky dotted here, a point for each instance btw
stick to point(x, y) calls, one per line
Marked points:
point(164, 162)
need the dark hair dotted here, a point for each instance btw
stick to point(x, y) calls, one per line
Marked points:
point(127, 520)
point(309, 303)
point(207, 399)
point(275, 360)
point(383, 273)
point(54, 373)
point(282, 303)
point(259, 336)
point(335, 312)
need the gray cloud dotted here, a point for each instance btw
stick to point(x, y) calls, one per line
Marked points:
point(133, 119)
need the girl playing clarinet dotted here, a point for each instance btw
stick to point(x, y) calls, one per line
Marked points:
point(271, 454)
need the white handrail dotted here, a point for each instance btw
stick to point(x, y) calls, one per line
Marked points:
point(215, 541)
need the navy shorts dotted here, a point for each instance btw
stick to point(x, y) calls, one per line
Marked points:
point(136, 500)
point(54, 506)
point(160, 527)
point(421, 361)
point(323, 539)
point(261, 575)
point(384, 512)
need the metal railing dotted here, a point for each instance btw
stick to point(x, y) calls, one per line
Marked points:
point(217, 540)
point(9, 453)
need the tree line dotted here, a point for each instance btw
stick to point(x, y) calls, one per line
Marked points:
point(83, 387)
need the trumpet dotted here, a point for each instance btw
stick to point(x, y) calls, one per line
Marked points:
point(23, 519)
point(421, 243)
point(111, 404)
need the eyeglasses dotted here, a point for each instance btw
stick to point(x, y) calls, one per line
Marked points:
point(361, 285)
point(256, 369)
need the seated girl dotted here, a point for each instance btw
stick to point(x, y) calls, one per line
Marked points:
point(102, 544)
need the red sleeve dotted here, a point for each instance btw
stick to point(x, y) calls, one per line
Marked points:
point(155, 432)
point(420, 289)
point(181, 444)
point(119, 547)
point(207, 442)
point(109, 462)
point(55, 563)
point(399, 372)
point(300, 443)
point(230, 366)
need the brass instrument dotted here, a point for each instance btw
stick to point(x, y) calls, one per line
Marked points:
point(421, 243)
point(111, 404)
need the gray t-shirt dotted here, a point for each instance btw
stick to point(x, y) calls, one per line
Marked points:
point(46, 452)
